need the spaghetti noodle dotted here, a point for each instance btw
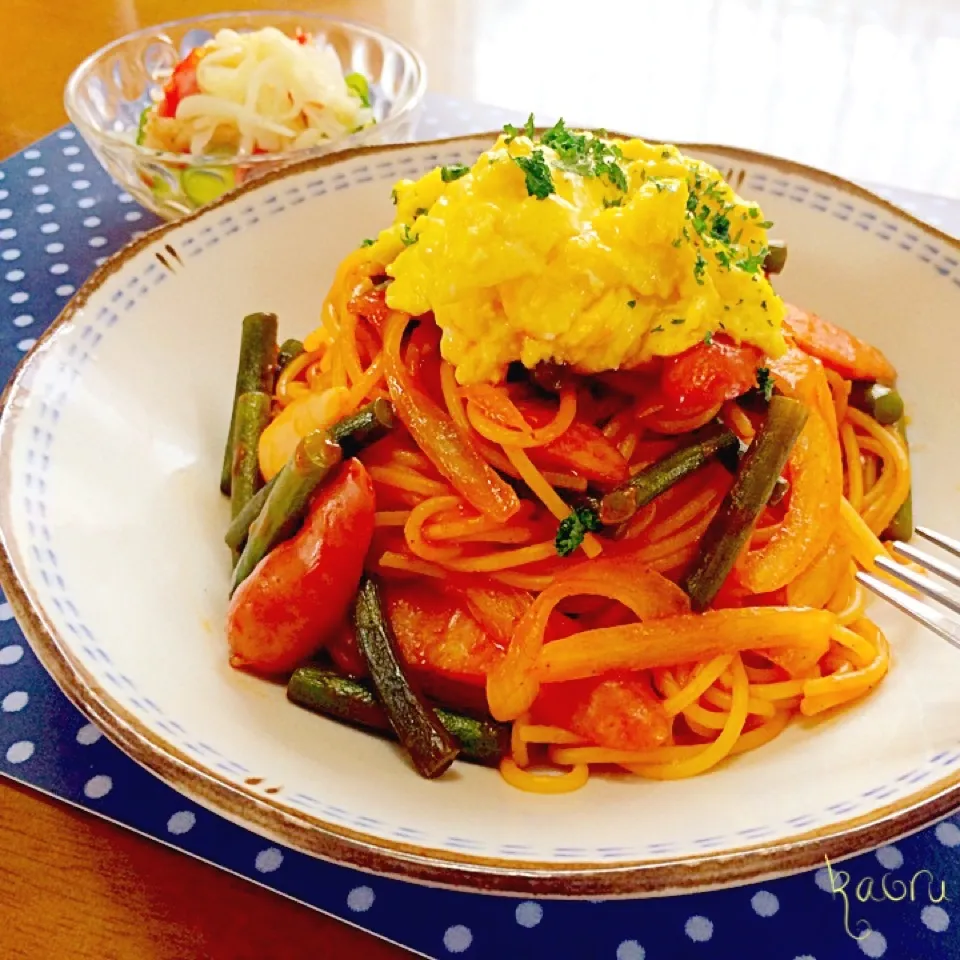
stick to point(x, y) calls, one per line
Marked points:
point(592, 653)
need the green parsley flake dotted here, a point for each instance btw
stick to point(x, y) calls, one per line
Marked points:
point(766, 225)
point(368, 242)
point(720, 228)
point(453, 172)
point(658, 328)
point(754, 213)
point(586, 155)
point(753, 262)
point(765, 382)
point(393, 196)
point(616, 202)
point(530, 128)
point(407, 237)
point(537, 175)
point(676, 321)
point(698, 269)
point(708, 338)
point(631, 303)
point(574, 528)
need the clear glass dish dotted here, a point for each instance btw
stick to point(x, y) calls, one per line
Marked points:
point(107, 93)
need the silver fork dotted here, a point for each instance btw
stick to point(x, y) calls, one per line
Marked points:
point(940, 622)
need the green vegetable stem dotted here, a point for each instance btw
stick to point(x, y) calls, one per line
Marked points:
point(751, 490)
point(621, 504)
point(288, 499)
point(258, 349)
point(430, 746)
point(352, 701)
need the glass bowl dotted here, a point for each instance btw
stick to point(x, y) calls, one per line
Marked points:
point(108, 92)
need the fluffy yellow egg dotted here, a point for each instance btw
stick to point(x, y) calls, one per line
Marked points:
point(594, 252)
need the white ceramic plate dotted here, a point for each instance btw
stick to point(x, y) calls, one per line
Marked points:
point(110, 444)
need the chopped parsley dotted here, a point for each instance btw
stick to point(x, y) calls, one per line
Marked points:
point(407, 237)
point(419, 212)
point(453, 172)
point(574, 528)
point(766, 225)
point(720, 229)
point(631, 303)
point(708, 338)
point(612, 172)
point(698, 269)
point(676, 321)
point(658, 328)
point(587, 155)
point(368, 242)
point(754, 213)
point(512, 132)
point(616, 202)
point(393, 196)
point(763, 304)
point(537, 175)
point(753, 262)
point(678, 241)
point(665, 155)
point(765, 382)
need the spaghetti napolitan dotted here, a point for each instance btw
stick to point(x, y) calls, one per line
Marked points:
point(606, 493)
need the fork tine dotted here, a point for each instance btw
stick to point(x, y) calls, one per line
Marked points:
point(941, 540)
point(940, 623)
point(932, 563)
point(924, 584)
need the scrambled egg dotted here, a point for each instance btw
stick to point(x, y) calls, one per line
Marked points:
point(586, 251)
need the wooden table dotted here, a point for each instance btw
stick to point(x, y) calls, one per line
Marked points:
point(75, 887)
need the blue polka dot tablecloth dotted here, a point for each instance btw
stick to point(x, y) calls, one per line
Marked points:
point(60, 215)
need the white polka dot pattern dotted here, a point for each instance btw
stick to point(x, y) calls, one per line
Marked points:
point(88, 735)
point(874, 944)
point(457, 939)
point(96, 788)
point(699, 929)
point(764, 903)
point(14, 701)
point(268, 860)
point(948, 834)
point(529, 914)
point(890, 858)
point(181, 822)
point(20, 752)
point(630, 950)
point(360, 899)
point(10, 654)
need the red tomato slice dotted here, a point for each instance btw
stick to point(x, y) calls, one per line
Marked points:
point(300, 593)
point(183, 83)
point(707, 374)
